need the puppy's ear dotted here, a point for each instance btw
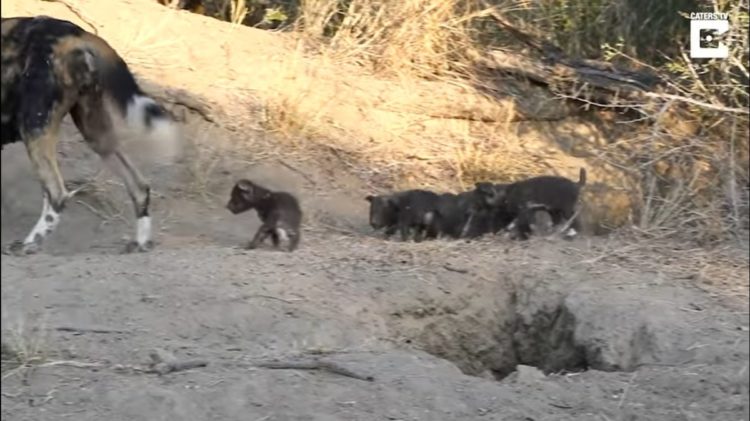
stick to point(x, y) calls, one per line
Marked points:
point(245, 186)
point(483, 187)
point(393, 201)
point(369, 198)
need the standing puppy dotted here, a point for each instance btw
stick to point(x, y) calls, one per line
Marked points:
point(405, 211)
point(383, 213)
point(417, 210)
point(556, 195)
point(278, 211)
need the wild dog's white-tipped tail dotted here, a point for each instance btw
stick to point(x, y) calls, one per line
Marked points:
point(155, 131)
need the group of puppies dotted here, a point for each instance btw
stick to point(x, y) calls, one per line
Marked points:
point(488, 208)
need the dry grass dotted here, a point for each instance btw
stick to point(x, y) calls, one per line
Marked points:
point(23, 345)
point(237, 11)
point(693, 162)
point(395, 37)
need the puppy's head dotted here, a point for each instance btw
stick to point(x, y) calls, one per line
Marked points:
point(490, 194)
point(382, 211)
point(245, 196)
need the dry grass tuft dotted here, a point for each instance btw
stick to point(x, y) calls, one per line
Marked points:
point(427, 38)
point(23, 346)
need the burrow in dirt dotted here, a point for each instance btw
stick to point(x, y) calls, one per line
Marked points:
point(555, 324)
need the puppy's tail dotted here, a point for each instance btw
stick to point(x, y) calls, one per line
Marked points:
point(582, 177)
point(141, 119)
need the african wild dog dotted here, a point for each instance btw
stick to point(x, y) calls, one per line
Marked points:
point(457, 216)
point(554, 194)
point(278, 211)
point(481, 218)
point(405, 211)
point(52, 67)
point(417, 210)
point(383, 213)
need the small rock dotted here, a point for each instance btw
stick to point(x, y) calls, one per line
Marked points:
point(528, 375)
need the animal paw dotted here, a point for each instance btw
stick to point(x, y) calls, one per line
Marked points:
point(19, 248)
point(570, 234)
point(134, 246)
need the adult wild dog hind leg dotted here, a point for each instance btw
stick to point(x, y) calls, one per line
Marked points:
point(94, 120)
point(140, 194)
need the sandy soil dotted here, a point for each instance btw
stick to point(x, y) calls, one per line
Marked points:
point(448, 330)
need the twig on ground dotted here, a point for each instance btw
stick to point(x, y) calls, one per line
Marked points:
point(175, 366)
point(455, 269)
point(163, 362)
point(71, 363)
point(314, 364)
point(81, 330)
point(271, 297)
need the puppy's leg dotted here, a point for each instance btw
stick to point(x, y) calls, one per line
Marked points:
point(294, 238)
point(521, 226)
point(569, 214)
point(390, 230)
point(433, 222)
point(263, 232)
point(419, 232)
point(275, 237)
point(281, 233)
point(404, 226)
point(467, 226)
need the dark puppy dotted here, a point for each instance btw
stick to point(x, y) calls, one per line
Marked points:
point(460, 216)
point(417, 210)
point(485, 217)
point(450, 217)
point(383, 213)
point(554, 194)
point(279, 212)
point(405, 211)
point(479, 217)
